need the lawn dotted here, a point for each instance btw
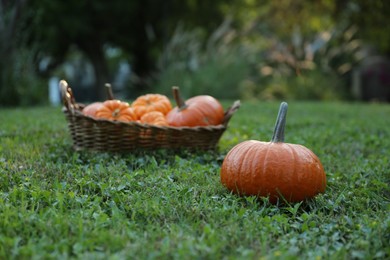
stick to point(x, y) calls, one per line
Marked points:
point(58, 204)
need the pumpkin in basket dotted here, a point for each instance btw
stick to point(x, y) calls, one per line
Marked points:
point(200, 110)
point(153, 135)
point(154, 118)
point(151, 102)
point(116, 110)
point(91, 109)
point(276, 169)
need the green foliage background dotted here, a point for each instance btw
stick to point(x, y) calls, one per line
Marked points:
point(226, 45)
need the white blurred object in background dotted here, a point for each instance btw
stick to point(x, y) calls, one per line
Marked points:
point(54, 93)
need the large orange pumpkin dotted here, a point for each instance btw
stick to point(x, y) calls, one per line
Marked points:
point(200, 110)
point(151, 102)
point(116, 110)
point(276, 169)
point(154, 118)
point(91, 109)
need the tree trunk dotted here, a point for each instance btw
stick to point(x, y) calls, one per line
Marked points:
point(142, 65)
point(9, 95)
point(95, 54)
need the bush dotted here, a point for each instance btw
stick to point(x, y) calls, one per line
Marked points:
point(227, 65)
point(199, 65)
point(21, 86)
point(219, 77)
point(314, 69)
point(312, 85)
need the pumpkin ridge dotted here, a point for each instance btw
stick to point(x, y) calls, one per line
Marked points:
point(273, 178)
point(226, 168)
point(295, 179)
point(315, 161)
point(265, 162)
point(248, 179)
point(203, 113)
point(311, 174)
point(238, 182)
point(311, 178)
point(179, 117)
point(235, 174)
point(258, 175)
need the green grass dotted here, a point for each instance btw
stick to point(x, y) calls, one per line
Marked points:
point(57, 203)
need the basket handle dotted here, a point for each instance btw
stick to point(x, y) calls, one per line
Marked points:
point(67, 96)
point(230, 111)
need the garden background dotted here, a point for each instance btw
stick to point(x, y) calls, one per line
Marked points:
point(264, 50)
point(328, 59)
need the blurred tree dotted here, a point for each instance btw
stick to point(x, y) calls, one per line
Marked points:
point(138, 27)
point(283, 17)
point(371, 17)
point(10, 22)
point(141, 29)
point(89, 25)
point(324, 35)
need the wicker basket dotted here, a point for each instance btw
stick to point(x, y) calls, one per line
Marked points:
point(113, 136)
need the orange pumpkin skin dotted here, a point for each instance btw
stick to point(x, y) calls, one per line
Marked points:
point(92, 108)
point(154, 118)
point(273, 169)
point(151, 102)
point(279, 170)
point(116, 110)
point(200, 110)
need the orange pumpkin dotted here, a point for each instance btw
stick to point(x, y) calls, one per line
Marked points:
point(154, 118)
point(91, 109)
point(200, 110)
point(275, 169)
point(116, 110)
point(151, 102)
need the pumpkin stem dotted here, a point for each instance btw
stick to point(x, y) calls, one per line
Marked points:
point(179, 101)
point(280, 124)
point(110, 95)
point(115, 113)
